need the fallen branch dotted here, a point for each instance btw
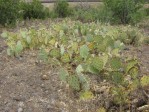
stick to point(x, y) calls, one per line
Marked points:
point(143, 108)
point(145, 94)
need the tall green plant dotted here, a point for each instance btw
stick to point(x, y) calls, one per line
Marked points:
point(34, 9)
point(9, 11)
point(124, 10)
point(61, 8)
point(147, 11)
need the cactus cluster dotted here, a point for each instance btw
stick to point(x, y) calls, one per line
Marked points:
point(82, 48)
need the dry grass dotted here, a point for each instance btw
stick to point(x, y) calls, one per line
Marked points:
point(49, 5)
point(73, 4)
point(146, 5)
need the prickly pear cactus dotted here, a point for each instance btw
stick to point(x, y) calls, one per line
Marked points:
point(82, 48)
point(73, 81)
point(97, 63)
point(115, 63)
point(117, 77)
point(65, 58)
point(55, 53)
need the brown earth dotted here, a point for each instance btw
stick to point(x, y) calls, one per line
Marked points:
point(24, 89)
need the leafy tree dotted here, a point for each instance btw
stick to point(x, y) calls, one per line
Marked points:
point(124, 10)
point(61, 8)
point(34, 9)
point(9, 11)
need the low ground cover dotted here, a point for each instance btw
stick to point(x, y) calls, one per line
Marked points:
point(81, 60)
point(83, 50)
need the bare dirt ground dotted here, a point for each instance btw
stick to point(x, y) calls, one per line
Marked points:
point(23, 89)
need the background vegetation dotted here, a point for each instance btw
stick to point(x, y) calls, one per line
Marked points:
point(115, 11)
point(34, 9)
point(9, 11)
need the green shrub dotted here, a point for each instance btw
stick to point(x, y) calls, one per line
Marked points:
point(9, 11)
point(104, 15)
point(87, 14)
point(147, 11)
point(35, 10)
point(61, 8)
point(84, 15)
point(52, 14)
point(125, 11)
point(138, 16)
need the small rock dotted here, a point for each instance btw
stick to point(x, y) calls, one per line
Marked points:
point(14, 74)
point(21, 104)
point(44, 77)
point(42, 85)
point(126, 48)
point(1, 49)
point(134, 101)
point(20, 109)
point(1, 63)
point(18, 98)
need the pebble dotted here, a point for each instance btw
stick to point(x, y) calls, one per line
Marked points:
point(21, 104)
point(44, 77)
point(1, 49)
point(127, 49)
point(18, 98)
point(20, 109)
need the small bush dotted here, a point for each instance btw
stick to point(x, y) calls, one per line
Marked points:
point(9, 11)
point(138, 16)
point(147, 11)
point(86, 14)
point(53, 15)
point(34, 10)
point(125, 11)
point(61, 8)
point(103, 14)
